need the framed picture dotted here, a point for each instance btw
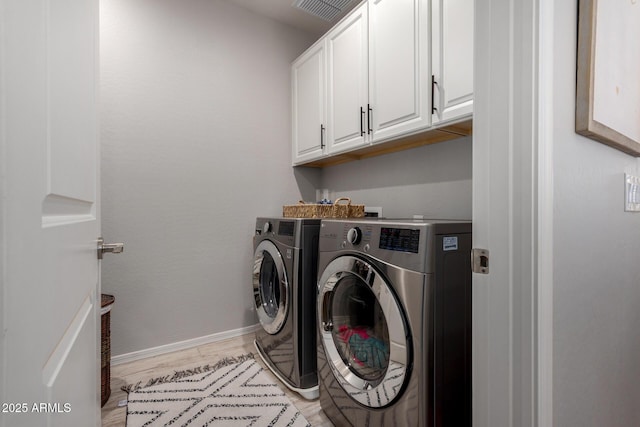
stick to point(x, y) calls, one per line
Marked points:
point(608, 73)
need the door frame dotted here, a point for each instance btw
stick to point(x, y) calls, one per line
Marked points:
point(513, 214)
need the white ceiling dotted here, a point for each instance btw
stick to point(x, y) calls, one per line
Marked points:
point(284, 11)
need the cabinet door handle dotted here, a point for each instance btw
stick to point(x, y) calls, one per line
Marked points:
point(361, 121)
point(321, 136)
point(369, 118)
point(434, 83)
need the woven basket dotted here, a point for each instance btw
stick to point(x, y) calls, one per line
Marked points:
point(105, 354)
point(315, 210)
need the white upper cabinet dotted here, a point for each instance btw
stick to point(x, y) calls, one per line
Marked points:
point(347, 75)
point(452, 67)
point(390, 69)
point(376, 57)
point(308, 106)
point(399, 87)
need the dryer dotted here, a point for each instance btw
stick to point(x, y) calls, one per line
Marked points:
point(394, 322)
point(284, 291)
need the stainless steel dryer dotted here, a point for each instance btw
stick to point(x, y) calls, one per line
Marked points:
point(284, 289)
point(394, 322)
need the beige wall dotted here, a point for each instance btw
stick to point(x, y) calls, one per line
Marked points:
point(195, 130)
point(596, 300)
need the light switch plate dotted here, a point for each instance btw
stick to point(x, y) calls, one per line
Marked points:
point(631, 193)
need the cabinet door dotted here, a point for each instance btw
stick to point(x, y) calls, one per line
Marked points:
point(347, 51)
point(309, 99)
point(452, 66)
point(399, 81)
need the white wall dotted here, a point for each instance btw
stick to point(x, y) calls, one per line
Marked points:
point(432, 180)
point(596, 264)
point(195, 119)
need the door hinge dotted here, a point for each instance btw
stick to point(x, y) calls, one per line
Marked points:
point(480, 261)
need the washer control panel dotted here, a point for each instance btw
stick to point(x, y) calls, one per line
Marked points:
point(356, 235)
point(404, 243)
point(400, 239)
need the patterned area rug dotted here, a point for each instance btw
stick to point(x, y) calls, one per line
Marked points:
point(233, 392)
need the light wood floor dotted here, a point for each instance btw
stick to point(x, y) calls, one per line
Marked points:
point(143, 370)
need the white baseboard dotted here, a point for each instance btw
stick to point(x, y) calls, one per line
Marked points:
point(181, 345)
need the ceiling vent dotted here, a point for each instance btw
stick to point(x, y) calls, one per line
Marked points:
point(325, 9)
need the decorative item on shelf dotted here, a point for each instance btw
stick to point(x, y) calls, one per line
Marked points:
point(325, 196)
point(324, 210)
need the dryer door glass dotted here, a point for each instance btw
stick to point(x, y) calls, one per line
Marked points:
point(363, 331)
point(270, 287)
point(360, 331)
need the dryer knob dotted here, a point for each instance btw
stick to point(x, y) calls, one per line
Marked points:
point(266, 227)
point(354, 236)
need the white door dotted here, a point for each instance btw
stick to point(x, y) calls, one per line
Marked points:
point(309, 99)
point(347, 70)
point(399, 89)
point(452, 53)
point(50, 213)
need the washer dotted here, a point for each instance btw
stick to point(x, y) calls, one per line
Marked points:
point(394, 322)
point(284, 290)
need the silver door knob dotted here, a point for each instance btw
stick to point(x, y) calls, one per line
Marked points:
point(114, 248)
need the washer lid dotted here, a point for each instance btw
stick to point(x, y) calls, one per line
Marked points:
point(270, 287)
point(363, 331)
